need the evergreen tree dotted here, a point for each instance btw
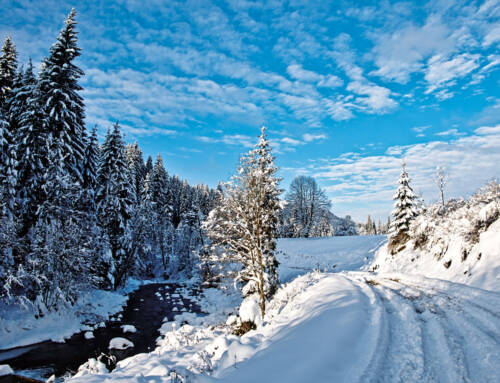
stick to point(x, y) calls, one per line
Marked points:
point(149, 165)
point(8, 68)
point(64, 106)
point(58, 256)
point(8, 75)
point(244, 224)
point(405, 210)
point(114, 202)
point(91, 162)
point(137, 169)
point(157, 194)
point(31, 152)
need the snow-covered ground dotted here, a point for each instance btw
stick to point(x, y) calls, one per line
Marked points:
point(480, 267)
point(18, 327)
point(340, 327)
point(298, 256)
point(352, 326)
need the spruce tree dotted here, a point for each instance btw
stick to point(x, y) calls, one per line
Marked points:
point(243, 226)
point(405, 210)
point(158, 195)
point(31, 152)
point(8, 75)
point(114, 202)
point(8, 69)
point(91, 162)
point(149, 165)
point(137, 169)
point(61, 100)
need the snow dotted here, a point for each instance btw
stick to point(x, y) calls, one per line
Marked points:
point(355, 326)
point(481, 268)
point(128, 328)
point(20, 328)
point(120, 344)
point(250, 311)
point(92, 366)
point(346, 326)
point(5, 370)
point(89, 335)
point(298, 256)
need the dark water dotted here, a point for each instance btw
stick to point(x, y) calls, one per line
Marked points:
point(144, 310)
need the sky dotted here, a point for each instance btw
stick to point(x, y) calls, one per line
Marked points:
point(347, 90)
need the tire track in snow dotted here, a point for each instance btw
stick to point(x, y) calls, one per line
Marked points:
point(431, 334)
point(399, 356)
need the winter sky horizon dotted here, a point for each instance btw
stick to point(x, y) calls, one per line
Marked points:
point(346, 90)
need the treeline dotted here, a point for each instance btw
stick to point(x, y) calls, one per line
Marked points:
point(76, 214)
point(306, 213)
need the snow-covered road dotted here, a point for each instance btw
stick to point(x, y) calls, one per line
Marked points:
point(363, 327)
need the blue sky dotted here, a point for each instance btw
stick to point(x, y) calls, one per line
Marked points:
point(346, 89)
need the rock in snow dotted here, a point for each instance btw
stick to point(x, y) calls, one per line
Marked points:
point(120, 344)
point(128, 328)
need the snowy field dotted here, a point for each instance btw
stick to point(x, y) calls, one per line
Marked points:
point(298, 256)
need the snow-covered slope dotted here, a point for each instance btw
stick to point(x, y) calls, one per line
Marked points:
point(339, 327)
point(481, 267)
point(298, 256)
point(459, 242)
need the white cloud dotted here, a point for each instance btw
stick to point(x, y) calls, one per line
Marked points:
point(492, 37)
point(378, 98)
point(307, 137)
point(449, 132)
point(297, 72)
point(400, 53)
point(291, 141)
point(359, 184)
point(442, 71)
point(420, 129)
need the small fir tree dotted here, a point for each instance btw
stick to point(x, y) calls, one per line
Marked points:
point(405, 210)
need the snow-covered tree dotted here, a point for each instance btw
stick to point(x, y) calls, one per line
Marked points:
point(149, 165)
point(31, 153)
point(8, 69)
point(61, 100)
point(137, 169)
point(243, 226)
point(91, 161)
point(306, 207)
point(8, 75)
point(441, 179)
point(114, 200)
point(156, 195)
point(57, 258)
point(405, 210)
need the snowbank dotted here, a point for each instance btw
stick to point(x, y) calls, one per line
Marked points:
point(5, 370)
point(128, 328)
point(459, 242)
point(20, 328)
point(481, 267)
point(120, 344)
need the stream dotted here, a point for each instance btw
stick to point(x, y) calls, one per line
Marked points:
point(145, 310)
